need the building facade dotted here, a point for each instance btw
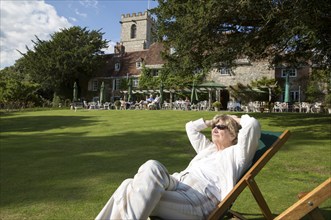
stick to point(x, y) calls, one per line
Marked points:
point(298, 80)
point(137, 47)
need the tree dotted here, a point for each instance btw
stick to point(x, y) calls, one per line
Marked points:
point(263, 89)
point(318, 86)
point(69, 55)
point(146, 80)
point(16, 90)
point(170, 80)
point(214, 33)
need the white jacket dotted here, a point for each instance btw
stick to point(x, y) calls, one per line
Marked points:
point(218, 171)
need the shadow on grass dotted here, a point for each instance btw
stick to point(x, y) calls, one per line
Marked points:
point(40, 123)
point(66, 166)
point(303, 126)
point(295, 119)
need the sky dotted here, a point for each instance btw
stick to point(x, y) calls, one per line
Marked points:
point(22, 20)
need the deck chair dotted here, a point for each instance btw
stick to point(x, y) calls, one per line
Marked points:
point(270, 143)
point(308, 203)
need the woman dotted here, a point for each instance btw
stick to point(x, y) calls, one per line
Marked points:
point(194, 192)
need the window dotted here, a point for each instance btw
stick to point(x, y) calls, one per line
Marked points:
point(294, 96)
point(139, 64)
point(225, 71)
point(133, 31)
point(95, 85)
point(290, 72)
point(117, 66)
point(155, 72)
point(116, 84)
point(197, 71)
point(92, 85)
point(135, 83)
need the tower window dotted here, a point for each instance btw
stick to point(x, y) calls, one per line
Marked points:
point(133, 31)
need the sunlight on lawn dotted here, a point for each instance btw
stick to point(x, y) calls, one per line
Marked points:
point(62, 164)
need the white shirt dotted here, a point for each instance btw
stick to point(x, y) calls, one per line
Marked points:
point(218, 171)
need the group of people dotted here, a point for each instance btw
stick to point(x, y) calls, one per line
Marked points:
point(194, 192)
point(154, 103)
point(149, 103)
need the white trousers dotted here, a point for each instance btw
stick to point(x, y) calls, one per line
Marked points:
point(153, 192)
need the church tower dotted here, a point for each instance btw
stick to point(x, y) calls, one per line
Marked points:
point(136, 31)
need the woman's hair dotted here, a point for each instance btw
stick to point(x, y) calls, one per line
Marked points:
point(233, 125)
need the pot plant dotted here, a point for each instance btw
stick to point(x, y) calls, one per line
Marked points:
point(117, 104)
point(217, 105)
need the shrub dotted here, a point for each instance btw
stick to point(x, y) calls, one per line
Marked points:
point(117, 103)
point(327, 100)
point(217, 105)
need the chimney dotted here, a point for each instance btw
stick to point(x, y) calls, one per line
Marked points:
point(119, 48)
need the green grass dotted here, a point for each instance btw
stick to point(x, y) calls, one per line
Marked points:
point(61, 164)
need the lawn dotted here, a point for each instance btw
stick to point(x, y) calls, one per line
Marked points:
point(61, 164)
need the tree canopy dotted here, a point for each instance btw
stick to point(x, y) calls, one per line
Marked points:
point(16, 90)
point(69, 55)
point(168, 79)
point(214, 33)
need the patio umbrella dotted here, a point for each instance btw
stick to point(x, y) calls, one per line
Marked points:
point(75, 92)
point(287, 89)
point(102, 92)
point(194, 95)
point(129, 90)
point(161, 94)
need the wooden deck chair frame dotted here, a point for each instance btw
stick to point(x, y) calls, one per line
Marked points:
point(270, 143)
point(308, 204)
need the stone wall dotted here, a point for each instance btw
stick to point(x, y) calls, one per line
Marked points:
point(244, 73)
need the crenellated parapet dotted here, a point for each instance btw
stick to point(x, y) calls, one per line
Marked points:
point(136, 16)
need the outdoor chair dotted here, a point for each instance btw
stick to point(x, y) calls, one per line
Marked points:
point(270, 143)
point(308, 203)
point(106, 105)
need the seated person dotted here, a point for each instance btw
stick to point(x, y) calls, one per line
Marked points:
point(195, 192)
point(150, 99)
point(153, 103)
point(123, 104)
point(187, 103)
point(166, 105)
point(156, 102)
point(142, 104)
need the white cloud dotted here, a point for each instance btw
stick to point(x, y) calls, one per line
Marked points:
point(21, 21)
point(73, 19)
point(89, 3)
point(80, 14)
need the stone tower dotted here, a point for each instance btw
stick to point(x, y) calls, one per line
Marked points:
point(136, 31)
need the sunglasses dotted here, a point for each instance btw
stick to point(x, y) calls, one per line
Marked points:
point(220, 127)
